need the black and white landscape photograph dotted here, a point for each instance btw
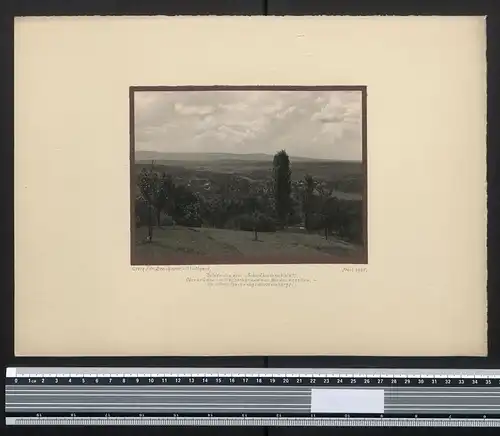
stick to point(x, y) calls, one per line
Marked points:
point(248, 175)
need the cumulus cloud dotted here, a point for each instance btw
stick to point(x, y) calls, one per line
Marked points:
point(321, 124)
point(183, 109)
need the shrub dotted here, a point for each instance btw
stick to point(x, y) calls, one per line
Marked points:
point(315, 221)
point(141, 213)
point(265, 223)
point(247, 222)
point(189, 221)
point(348, 224)
point(167, 221)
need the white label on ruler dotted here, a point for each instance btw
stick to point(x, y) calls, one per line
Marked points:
point(347, 401)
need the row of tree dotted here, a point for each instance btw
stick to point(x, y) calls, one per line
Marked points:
point(269, 206)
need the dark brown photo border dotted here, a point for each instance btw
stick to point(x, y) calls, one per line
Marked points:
point(360, 259)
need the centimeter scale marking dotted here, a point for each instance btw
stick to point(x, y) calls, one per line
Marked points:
point(273, 397)
point(287, 380)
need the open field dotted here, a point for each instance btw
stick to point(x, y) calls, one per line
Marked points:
point(185, 245)
point(256, 170)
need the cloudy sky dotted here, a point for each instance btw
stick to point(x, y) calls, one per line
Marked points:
point(317, 124)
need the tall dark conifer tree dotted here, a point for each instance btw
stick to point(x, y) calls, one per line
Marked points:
point(282, 178)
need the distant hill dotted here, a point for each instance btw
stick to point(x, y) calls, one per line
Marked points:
point(142, 156)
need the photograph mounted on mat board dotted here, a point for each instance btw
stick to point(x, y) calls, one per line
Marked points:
point(248, 175)
point(84, 287)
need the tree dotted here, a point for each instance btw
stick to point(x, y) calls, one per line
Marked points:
point(307, 205)
point(169, 190)
point(210, 208)
point(187, 207)
point(191, 213)
point(255, 222)
point(254, 206)
point(149, 189)
point(323, 190)
point(282, 186)
point(141, 211)
point(330, 214)
point(159, 199)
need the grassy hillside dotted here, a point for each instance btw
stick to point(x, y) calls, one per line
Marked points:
point(184, 245)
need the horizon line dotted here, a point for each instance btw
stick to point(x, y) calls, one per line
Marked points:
point(249, 154)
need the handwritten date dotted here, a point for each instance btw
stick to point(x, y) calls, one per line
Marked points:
point(350, 269)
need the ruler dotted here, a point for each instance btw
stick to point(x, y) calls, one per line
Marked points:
point(252, 397)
